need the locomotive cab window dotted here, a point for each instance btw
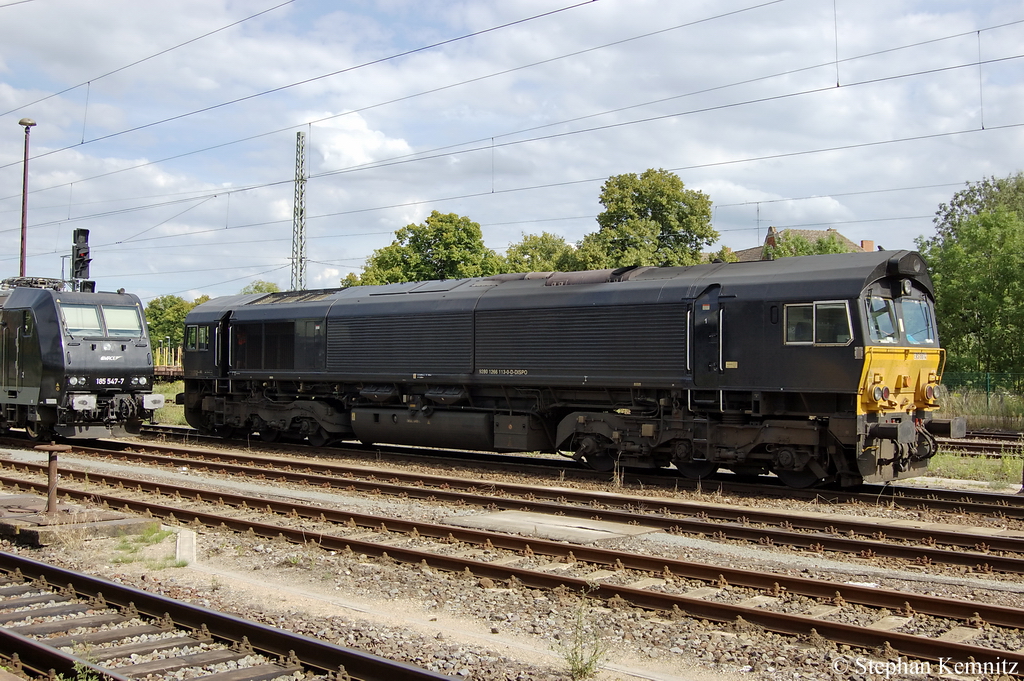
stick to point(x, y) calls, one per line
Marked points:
point(881, 319)
point(820, 323)
point(81, 320)
point(197, 337)
point(122, 321)
point(918, 327)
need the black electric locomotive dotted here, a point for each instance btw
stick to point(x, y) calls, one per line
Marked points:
point(817, 368)
point(73, 363)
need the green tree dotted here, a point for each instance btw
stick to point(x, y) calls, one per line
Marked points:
point(650, 219)
point(445, 246)
point(988, 195)
point(725, 254)
point(165, 317)
point(788, 243)
point(538, 253)
point(260, 286)
point(976, 265)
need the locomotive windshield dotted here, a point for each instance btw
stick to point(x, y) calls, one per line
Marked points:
point(108, 320)
point(881, 320)
point(82, 320)
point(917, 322)
point(909, 322)
point(122, 321)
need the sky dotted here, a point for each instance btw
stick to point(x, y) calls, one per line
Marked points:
point(168, 128)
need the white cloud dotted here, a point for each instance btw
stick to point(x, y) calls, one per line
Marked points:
point(752, 143)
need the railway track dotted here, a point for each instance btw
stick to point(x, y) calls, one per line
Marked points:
point(49, 617)
point(672, 587)
point(925, 544)
point(956, 501)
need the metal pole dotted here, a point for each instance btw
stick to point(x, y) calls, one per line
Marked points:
point(28, 123)
point(51, 488)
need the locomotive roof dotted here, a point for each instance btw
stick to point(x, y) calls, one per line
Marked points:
point(815, 277)
point(28, 296)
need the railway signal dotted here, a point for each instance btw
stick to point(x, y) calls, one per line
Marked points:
point(80, 258)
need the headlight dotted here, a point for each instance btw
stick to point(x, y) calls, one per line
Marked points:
point(135, 380)
point(73, 380)
point(929, 392)
point(142, 380)
point(880, 393)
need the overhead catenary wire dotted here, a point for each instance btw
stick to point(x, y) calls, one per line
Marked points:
point(306, 81)
point(140, 61)
point(415, 155)
point(222, 191)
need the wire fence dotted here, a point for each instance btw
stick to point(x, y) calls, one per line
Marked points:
point(984, 381)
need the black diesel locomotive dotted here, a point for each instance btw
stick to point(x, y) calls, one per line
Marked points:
point(818, 368)
point(73, 363)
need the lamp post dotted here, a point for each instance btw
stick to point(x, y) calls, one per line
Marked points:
point(27, 123)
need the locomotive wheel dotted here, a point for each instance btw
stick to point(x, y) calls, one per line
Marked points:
point(798, 479)
point(697, 470)
point(318, 438)
point(270, 435)
point(600, 462)
point(38, 433)
point(226, 432)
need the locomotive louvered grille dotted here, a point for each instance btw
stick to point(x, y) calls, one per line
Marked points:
point(420, 344)
point(626, 341)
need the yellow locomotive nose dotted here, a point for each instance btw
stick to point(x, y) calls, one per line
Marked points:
point(900, 379)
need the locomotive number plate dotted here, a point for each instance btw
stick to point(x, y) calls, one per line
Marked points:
point(109, 381)
point(919, 356)
point(504, 372)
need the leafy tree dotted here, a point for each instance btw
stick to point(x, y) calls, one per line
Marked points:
point(976, 264)
point(445, 246)
point(788, 243)
point(725, 254)
point(975, 259)
point(634, 243)
point(165, 317)
point(260, 286)
point(650, 219)
point(538, 253)
point(988, 195)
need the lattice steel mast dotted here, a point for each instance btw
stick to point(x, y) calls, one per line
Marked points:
point(299, 216)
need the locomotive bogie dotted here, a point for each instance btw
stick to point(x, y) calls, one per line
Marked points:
point(817, 368)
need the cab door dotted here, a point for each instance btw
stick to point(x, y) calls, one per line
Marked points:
point(708, 341)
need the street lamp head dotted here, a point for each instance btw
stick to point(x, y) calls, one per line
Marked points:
point(27, 122)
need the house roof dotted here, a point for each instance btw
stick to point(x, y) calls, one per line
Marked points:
point(812, 235)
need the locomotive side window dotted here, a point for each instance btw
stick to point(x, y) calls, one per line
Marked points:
point(831, 324)
point(81, 320)
point(122, 321)
point(799, 323)
point(197, 337)
point(881, 319)
point(918, 327)
point(821, 323)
